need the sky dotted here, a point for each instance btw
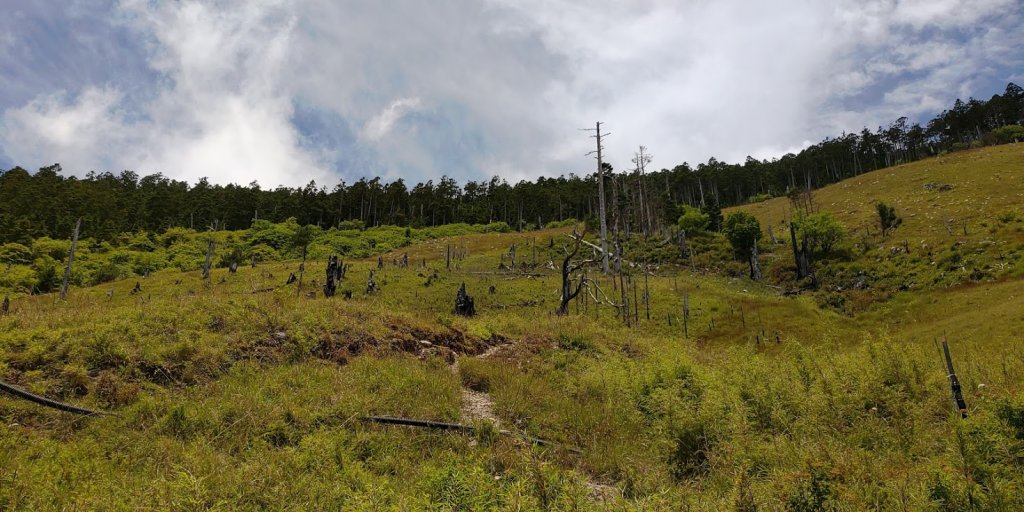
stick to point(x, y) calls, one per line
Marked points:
point(288, 92)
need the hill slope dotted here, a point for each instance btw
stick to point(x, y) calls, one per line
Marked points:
point(245, 393)
point(986, 183)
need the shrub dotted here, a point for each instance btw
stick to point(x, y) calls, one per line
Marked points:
point(15, 254)
point(821, 230)
point(693, 220)
point(887, 218)
point(47, 274)
point(1009, 133)
point(349, 225)
point(56, 249)
point(743, 231)
point(108, 272)
point(279, 236)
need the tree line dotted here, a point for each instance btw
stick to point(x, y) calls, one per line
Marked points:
point(47, 203)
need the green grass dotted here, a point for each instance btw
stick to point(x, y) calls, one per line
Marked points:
point(225, 399)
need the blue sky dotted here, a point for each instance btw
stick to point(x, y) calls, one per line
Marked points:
point(285, 92)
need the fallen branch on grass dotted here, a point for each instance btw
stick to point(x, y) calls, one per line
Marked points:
point(46, 402)
point(456, 427)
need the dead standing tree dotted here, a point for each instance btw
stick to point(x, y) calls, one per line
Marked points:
point(801, 254)
point(208, 262)
point(71, 259)
point(603, 212)
point(568, 269)
point(303, 236)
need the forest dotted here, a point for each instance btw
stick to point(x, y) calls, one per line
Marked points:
point(47, 203)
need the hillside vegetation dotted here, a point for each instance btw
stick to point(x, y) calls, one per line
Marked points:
point(243, 393)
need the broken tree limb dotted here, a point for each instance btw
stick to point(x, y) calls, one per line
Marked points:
point(457, 427)
point(568, 268)
point(584, 242)
point(46, 402)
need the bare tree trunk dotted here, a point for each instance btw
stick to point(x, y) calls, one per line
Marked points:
point(601, 202)
point(209, 259)
point(686, 314)
point(302, 270)
point(755, 266)
point(71, 260)
point(568, 293)
point(647, 296)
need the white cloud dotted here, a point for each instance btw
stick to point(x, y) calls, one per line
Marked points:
point(222, 111)
point(379, 126)
point(474, 87)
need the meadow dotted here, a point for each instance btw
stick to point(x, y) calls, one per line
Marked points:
point(243, 393)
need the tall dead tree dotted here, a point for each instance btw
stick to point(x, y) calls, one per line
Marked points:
point(647, 295)
point(568, 268)
point(641, 159)
point(603, 212)
point(71, 260)
point(755, 265)
point(684, 250)
point(209, 257)
point(801, 254)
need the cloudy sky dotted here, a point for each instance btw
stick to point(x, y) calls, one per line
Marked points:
point(284, 92)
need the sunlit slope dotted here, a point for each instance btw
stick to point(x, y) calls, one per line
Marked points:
point(986, 183)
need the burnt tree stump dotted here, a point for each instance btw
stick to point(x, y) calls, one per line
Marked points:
point(371, 284)
point(464, 303)
point(5, 306)
point(331, 284)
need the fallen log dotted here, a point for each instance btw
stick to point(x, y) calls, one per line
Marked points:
point(457, 427)
point(46, 402)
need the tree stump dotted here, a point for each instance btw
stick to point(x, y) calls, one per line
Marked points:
point(331, 285)
point(291, 278)
point(464, 303)
point(137, 288)
point(5, 306)
point(371, 284)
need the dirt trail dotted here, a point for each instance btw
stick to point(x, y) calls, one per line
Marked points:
point(478, 406)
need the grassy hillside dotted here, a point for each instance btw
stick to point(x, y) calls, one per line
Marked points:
point(962, 223)
point(986, 184)
point(244, 393)
point(225, 398)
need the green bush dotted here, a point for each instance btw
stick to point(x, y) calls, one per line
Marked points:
point(693, 220)
point(56, 249)
point(1009, 133)
point(15, 254)
point(887, 218)
point(821, 230)
point(743, 231)
point(47, 272)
